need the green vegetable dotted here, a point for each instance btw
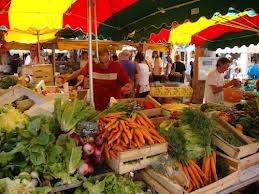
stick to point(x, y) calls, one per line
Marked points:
point(18, 186)
point(201, 125)
point(184, 143)
point(69, 113)
point(222, 167)
point(8, 81)
point(229, 137)
point(246, 122)
point(111, 184)
point(10, 119)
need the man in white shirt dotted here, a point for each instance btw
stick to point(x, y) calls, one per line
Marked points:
point(32, 59)
point(215, 82)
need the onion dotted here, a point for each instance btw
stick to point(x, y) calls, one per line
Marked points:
point(88, 148)
point(97, 151)
point(98, 141)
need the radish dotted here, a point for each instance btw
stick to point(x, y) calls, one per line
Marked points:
point(99, 160)
point(90, 140)
point(98, 141)
point(90, 169)
point(86, 158)
point(83, 169)
point(97, 151)
point(77, 138)
point(88, 148)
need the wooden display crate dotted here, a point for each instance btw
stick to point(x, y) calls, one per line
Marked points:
point(164, 186)
point(157, 115)
point(136, 159)
point(241, 164)
point(234, 152)
point(156, 104)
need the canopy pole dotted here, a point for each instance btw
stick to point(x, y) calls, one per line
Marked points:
point(90, 53)
point(38, 47)
point(96, 33)
point(53, 60)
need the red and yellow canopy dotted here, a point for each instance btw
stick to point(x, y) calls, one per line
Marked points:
point(206, 29)
point(27, 20)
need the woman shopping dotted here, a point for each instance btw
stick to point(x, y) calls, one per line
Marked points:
point(142, 77)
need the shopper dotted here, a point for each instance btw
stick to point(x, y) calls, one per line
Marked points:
point(157, 65)
point(129, 66)
point(177, 70)
point(215, 82)
point(84, 58)
point(169, 63)
point(142, 77)
point(32, 59)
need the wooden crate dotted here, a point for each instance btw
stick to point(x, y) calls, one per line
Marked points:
point(156, 104)
point(241, 164)
point(219, 185)
point(234, 152)
point(157, 115)
point(136, 159)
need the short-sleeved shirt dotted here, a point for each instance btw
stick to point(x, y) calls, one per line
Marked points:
point(129, 67)
point(177, 67)
point(217, 79)
point(107, 83)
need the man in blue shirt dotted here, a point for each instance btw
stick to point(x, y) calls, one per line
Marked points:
point(129, 66)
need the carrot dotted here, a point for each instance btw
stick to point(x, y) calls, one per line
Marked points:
point(190, 188)
point(193, 177)
point(214, 156)
point(133, 116)
point(124, 144)
point(147, 119)
point(113, 154)
point(203, 164)
point(159, 140)
point(213, 168)
point(143, 122)
point(180, 166)
point(110, 123)
point(140, 136)
point(207, 169)
point(198, 169)
point(115, 137)
point(106, 151)
point(186, 173)
point(125, 138)
point(147, 136)
point(118, 141)
point(196, 173)
point(135, 138)
point(117, 148)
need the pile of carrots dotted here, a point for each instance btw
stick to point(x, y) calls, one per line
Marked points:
point(199, 177)
point(121, 131)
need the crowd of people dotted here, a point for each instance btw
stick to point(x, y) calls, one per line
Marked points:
point(120, 76)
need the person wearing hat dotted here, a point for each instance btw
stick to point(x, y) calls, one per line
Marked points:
point(109, 79)
point(215, 82)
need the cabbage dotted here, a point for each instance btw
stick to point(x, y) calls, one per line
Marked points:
point(11, 118)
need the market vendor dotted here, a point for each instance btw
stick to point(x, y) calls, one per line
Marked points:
point(215, 82)
point(108, 79)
